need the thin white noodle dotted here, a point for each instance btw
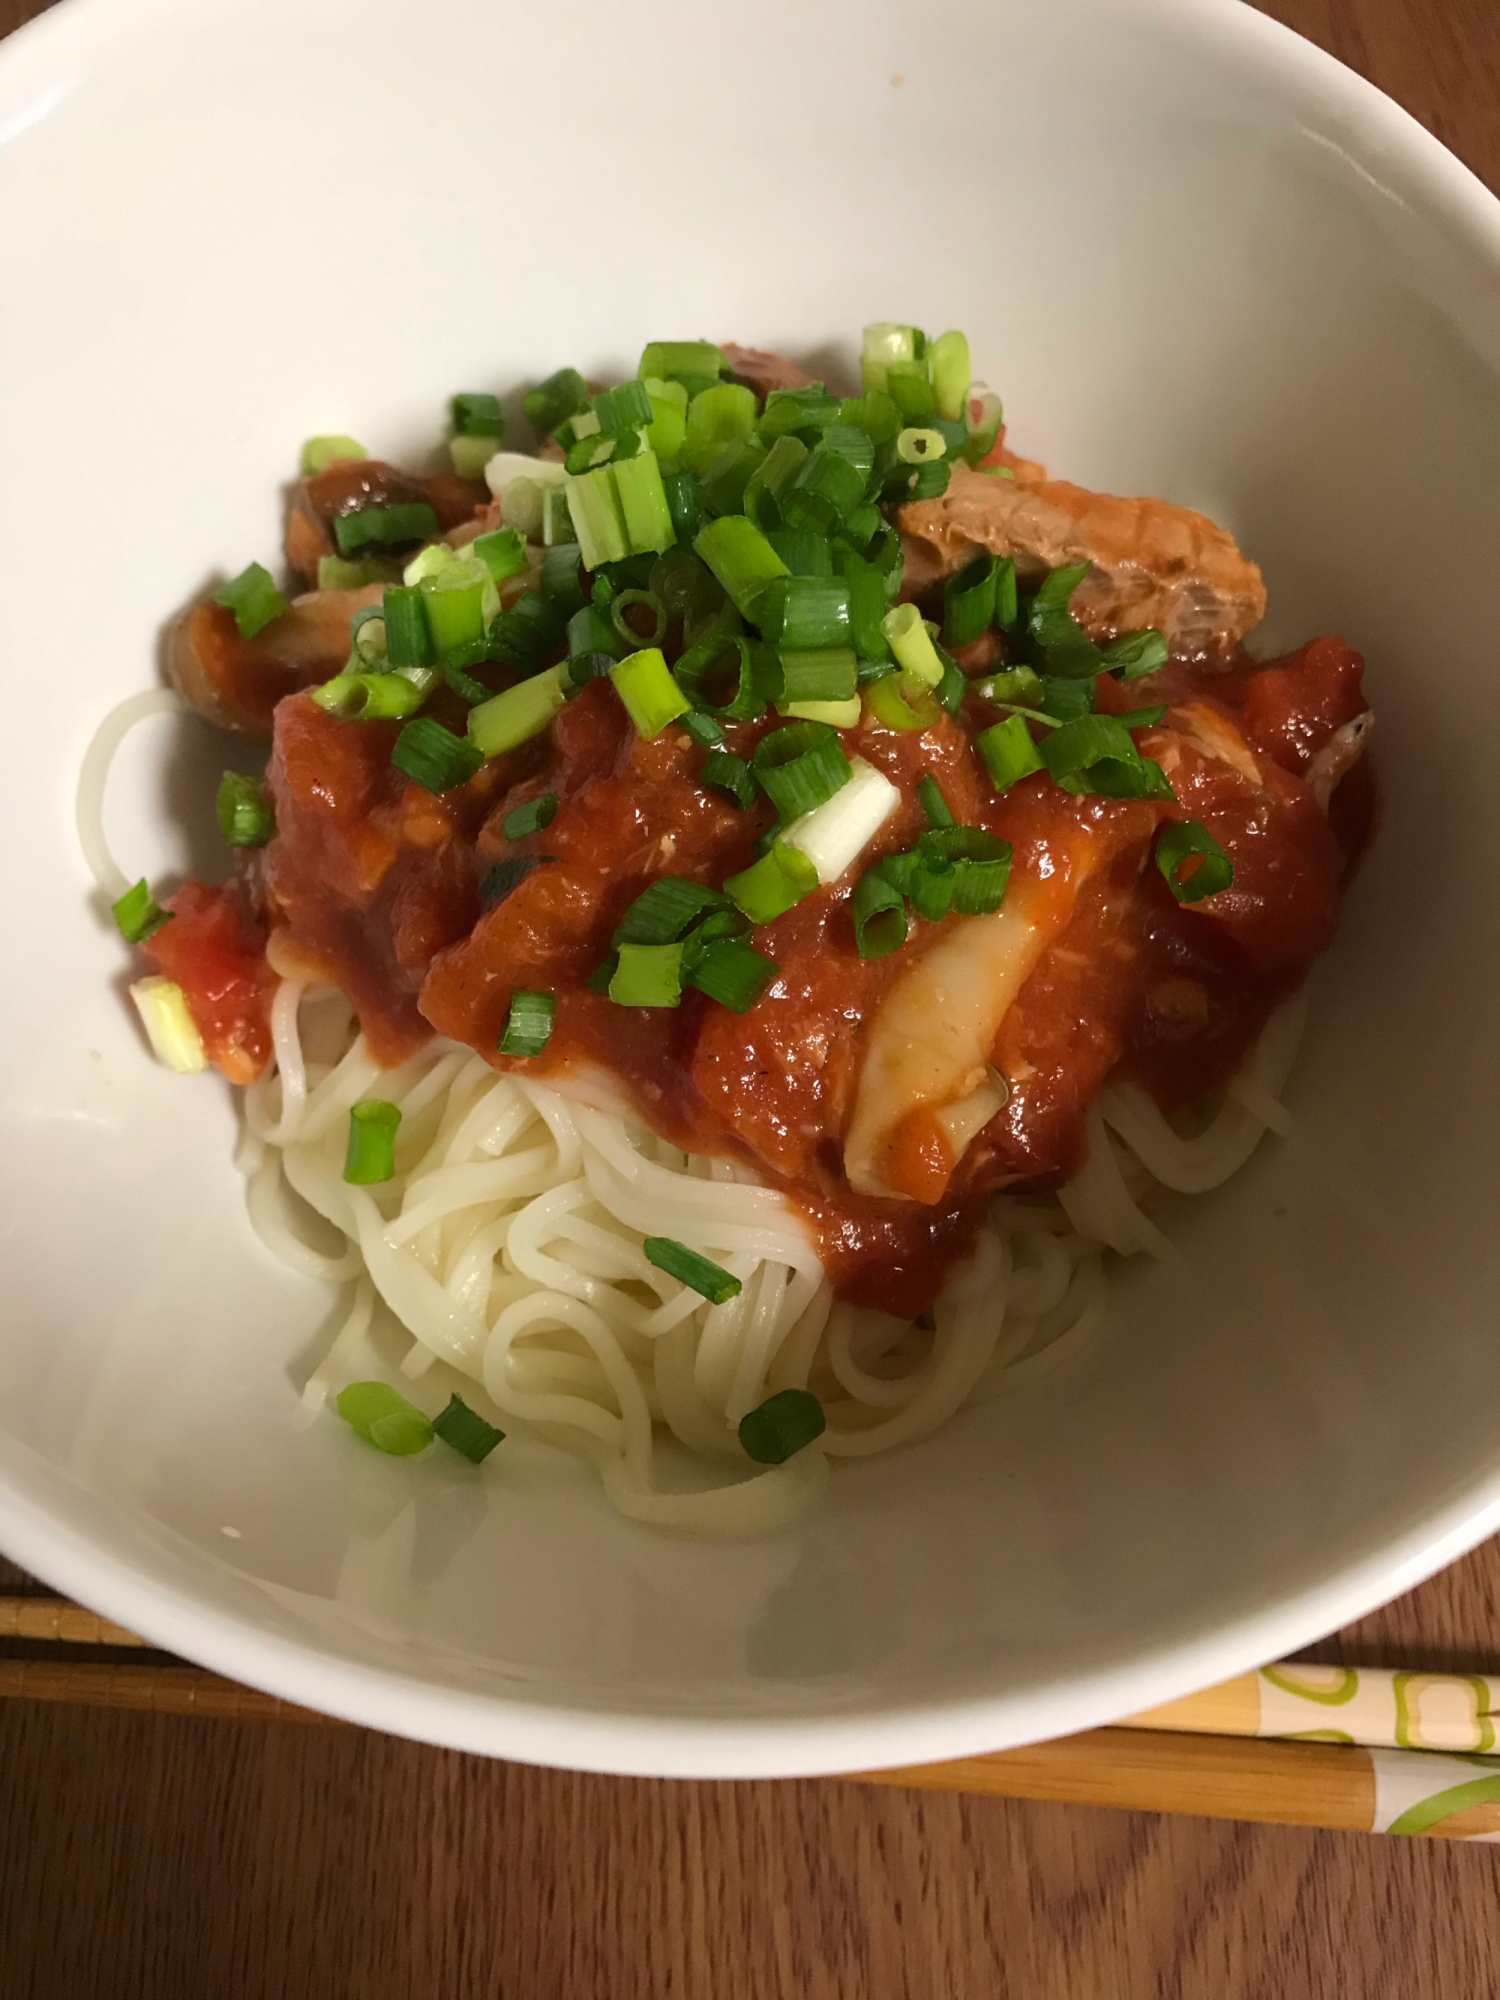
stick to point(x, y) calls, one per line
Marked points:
point(93, 781)
point(509, 1246)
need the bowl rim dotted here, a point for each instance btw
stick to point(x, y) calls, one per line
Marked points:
point(626, 1742)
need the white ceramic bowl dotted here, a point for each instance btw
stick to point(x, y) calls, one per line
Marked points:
point(1199, 259)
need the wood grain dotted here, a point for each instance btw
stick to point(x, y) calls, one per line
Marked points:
point(156, 1858)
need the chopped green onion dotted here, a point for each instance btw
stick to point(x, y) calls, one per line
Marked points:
point(712, 1280)
point(985, 414)
point(773, 884)
point(911, 642)
point(782, 1426)
point(723, 487)
point(844, 714)
point(704, 729)
point(952, 373)
point(909, 386)
point(805, 551)
point(507, 875)
point(969, 601)
point(669, 359)
point(1062, 641)
point(470, 455)
point(590, 632)
point(370, 697)
point(1142, 718)
point(384, 1418)
point(552, 402)
point(594, 505)
point(879, 911)
point(682, 504)
point(866, 587)
point(169, 1024)
point(644, 506)
point(875, 414)
point(837, 832)
point(253, 598)
point(243, 810)
point(805, 613)
point(667, 431)
point(466, 1431)
point(560, 580)
point(629, 600)
point(503, 553)
point(647, 975)
point(516, 715)
point(652, 698)
point(698, 667)
point(732, 972)
point(138, 914)
point(1066, 698)
point(830, 674)
point(883, 345)
point(720, 416)
point(825, 492)
point(528, 1023)
point(933, 803)
point(454, 602)
point(406, 521)
point(800, 766)
point(740, 557)
point(729, 774)
point(771, 478)
point(1136, 653)
point(477, 415)
point(336, 573)
point(954, 685)
point(627, 408)
point(408, 636)
point(1022, 685)
point(790, 410)
point(371, 1154)
point(666, 910)
point(1179, 841)
point(1008, 751)
point(980, 863)
point(901, 701)
point(434, 756)
point(318, 453)
point(1094, 754)
point(918, 482)
point(916, 447)
point(532, 817)
point(530, 634)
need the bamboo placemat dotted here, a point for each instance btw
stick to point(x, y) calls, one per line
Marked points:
point(1367, 1749)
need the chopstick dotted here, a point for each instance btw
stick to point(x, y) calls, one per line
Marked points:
point(1370, 1749)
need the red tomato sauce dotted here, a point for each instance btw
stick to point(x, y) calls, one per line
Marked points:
point(375, 884)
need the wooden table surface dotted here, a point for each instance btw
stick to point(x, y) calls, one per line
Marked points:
point(154, 1859)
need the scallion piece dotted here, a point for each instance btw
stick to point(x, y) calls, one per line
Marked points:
point(532, 817)
point(647, 975)
point(503, 553)
point(370, 697)
point(984, 414)
point(805, 613)
point(770, 479)
point(169, 1024)
point(371, 1154)
point(1095, 754)
point(385, 527)
point(384, 1418)
point(518, 713)
point(507, 875)
point(1136, 653)
point(740, 557)
point(688, 1268)
point(629, 635)
point(1179, 841)
point(682, 504)
point(560, 579)
point(729, 774)
point(408, 637)
point(669, 359)
point(1065, 697)
point(253, 598)
point(901, 701)
point(732, 972)
point(969, 601)
point(1064, 645)
point(720, 416)
point(699, 668)
point(590, 632)
point(652, 698)
point(788, 410)
point(434, 756)
point(879, 912)
point(1008, 751)
point(780, 878)
point(530, 634)
point(836, 833)
point(952, 373)
point(830, 674)
point(1142, 718)
point(138, 914)
point(454, 602)
point(466, 1431)
point(318, 453)
point(644, 506)
point(703, 729)
point(476, 414)
point(552, 402)
point(866, 588)
point(667, 430)
point(979, 861)
point(723, 487)
point(800, 766)
point(909, 386)
point(594, 505)
point(825, 492)
point(875, 414)
point(243, 810)
point(336, 573)
point(528, 1024)
point(933, 803)
point(783, 1425)
point(916, 446)
point(470, 455)
point(884, 344)
point(627, 408)
point(911, 642)
point(954, 685)
point(666, 910)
